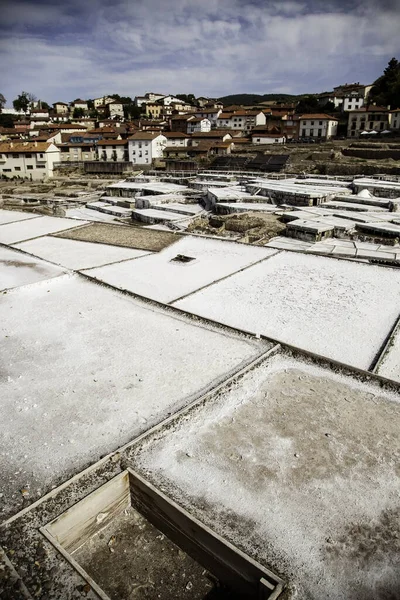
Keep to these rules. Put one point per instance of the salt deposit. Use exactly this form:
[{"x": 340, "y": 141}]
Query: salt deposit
[
  {"x": 74, "y": 254},
  {"x": 84, "y": 369},
  {"x": 31, "y": 228},
  {"x": 18, "y": 269},
  {"x": 162, "y": 278},
  {"x": 339, "y": 309},
  {"x": 282, "y": 465}
]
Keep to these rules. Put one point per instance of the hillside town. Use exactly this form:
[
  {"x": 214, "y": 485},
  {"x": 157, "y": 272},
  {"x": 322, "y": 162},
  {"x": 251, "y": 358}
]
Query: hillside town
[
  {"x": 177, "y": 132},
  {"x": 200, "y": 346}
]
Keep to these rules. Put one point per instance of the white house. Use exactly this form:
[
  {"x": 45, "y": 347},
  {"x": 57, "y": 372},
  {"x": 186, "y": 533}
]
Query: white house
[
  {"x": 145, "y": 146},
  {"x": 353, "y": 101},
  {"x": 318, "y": 126},
  {"x": 79, "y": 104},
  {"x": 196, "y": 125},
  {"x": 40, "y": 113},
  {"x": 12, "y": 111},
  {"x": 61, "y": 107},
  {"x": 167, "y": 100},
  {"x": 264, "y": 137},
  {"x": 208, "y": 113},
  {"x": 177, "y": 138},
  {"x": 102, "y": 101},
  {"x": 115, "y": 109},
  {"x": 33, "y": 160},
  {"x": 368, "y": 118},
  {"x": 394, "y": 119},
  {"x": 242, "y": 120},
  {"x": 112, "y": 150}
]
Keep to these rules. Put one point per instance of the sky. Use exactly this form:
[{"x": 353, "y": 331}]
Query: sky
[{"x": 63, "y": 50}]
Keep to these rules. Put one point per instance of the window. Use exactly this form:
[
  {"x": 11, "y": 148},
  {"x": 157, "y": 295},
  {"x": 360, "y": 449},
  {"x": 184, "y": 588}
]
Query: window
[
  {"x": 371, "y": 125},
  {"x": 6, "y": 170},
  {"x": 28, "y": 155},
  {"x": 114, "y": 147},
  {"x": 320, "y": 122},
  {"x": 29, "y": 167},
  {"x": 258, "y": 140},
  {"x": 311, "y": 132},
  {"x": 319, "y": 132},
  {"x": 17, "y": 168},
  {"x": 41, "y": 155},
  {"x": 40, "y": 167},
  {"x": 312, "y": 122},
  {"x": 303, "y": 133}
]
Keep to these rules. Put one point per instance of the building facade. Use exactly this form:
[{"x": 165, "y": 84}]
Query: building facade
[
  {"x": 368, "y": 118},
  {"x": 144, "y": 147},
  {"x": 30, "y": 160},
  {"x": 394, "y": 119},
  {"x": 112, "y": 150},
  {"x": 318, "y": 126},
  {"x": 196, "y": 125},
  {"x": 242, "y": 120}
]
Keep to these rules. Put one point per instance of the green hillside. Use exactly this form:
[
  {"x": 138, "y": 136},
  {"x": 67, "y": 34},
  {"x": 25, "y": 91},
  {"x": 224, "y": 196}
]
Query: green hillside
[{"x": 250, "y": 99}]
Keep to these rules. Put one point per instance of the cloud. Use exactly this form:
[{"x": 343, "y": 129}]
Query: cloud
[{"x": 213, "y": 47}]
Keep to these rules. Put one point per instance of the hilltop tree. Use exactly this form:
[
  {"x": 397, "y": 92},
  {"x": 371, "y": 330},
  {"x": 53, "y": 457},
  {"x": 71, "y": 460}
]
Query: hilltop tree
[
  {"x": 187, "y": 98},
  {"x": 2, "y": 102},
  {"x": 308, "y": 105},
  {"x": 131, "y": 111},
  {"x": 23, "y": 101},
  {"x": 78, "y": 113},
  {"x": 123, "y": 99},
  {"x": 386, "y": 89}
]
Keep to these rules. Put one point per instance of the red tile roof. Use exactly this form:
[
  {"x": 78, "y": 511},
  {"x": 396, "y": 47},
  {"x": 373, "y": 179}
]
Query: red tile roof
[
  {"x": 144, "y": 135},
  {"x": 23, "y": 147},
  {"x": 318, "y": 116}
]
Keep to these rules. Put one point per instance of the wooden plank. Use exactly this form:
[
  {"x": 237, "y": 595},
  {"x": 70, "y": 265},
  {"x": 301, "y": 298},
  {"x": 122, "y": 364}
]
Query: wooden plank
[
  {"x": 77, "y": 524},
  {"x": 231, "y": 566}
]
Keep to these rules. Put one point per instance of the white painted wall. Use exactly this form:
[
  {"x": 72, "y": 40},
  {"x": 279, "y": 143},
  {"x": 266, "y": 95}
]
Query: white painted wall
[
  {"x": 259, "y": 139},
  {"x": 318, "y": 128},
  {"x": 143, "y": 152},
  {"x": 32, "y": 165},
  {"x": 352, "y": 103},
  {"x": 110, "y": 152},
  {"x": 199, "y": 126}
]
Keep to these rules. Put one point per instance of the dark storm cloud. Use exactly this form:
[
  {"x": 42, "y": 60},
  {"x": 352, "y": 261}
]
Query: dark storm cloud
[{"x": 214, "y": 47}]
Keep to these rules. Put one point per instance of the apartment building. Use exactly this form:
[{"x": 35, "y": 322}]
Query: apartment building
[
  {"x": 32, "y": 160},
  {"x": 145, "y": 146},
  {"x": 112, "y": 150},
  {"x": 196, "y": 125},
  {"x": 368, "y": 118},
  {"x": 318, "y": 125}
]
